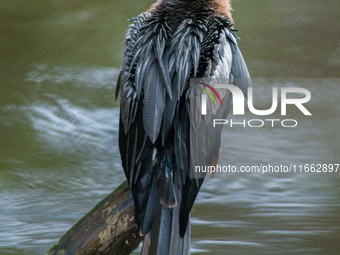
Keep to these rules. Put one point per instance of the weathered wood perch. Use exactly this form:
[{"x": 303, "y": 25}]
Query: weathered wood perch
[{"x": 109, "y": 228}]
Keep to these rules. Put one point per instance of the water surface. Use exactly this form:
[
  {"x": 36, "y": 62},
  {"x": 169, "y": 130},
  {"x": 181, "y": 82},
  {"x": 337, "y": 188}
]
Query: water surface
[{"x": 59, "y": 157}]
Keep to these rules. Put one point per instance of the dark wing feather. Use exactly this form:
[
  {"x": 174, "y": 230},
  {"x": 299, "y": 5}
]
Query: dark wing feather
[
  {"x": 169, "y": 110},
  {"x": 154, "y": 101}
]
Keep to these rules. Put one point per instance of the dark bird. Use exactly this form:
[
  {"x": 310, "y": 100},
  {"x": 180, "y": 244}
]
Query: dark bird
[{"x": 159, "y": 135}]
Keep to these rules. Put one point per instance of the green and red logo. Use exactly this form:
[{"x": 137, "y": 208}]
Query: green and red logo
[{"x": 209, "y": 93}]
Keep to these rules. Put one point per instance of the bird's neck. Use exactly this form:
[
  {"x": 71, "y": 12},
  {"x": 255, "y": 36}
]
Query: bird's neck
[{"x": 222, "y": 7}]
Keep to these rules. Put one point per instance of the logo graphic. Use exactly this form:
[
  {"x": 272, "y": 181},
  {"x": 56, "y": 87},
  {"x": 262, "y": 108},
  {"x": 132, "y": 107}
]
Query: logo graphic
[
  {"x": 241, "y": 98},
  {"x": 238, "y": 99},
  {"x": 204, "y": 97},
  {"x": 209, "y": 93}
]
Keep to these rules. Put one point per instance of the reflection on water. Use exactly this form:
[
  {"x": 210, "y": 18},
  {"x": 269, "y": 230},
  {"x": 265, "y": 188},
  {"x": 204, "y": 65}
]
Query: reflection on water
[{"x": 58, "y": 127}]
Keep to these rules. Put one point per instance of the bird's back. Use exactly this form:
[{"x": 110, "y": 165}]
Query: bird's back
[{"x": 165, "y": 47}]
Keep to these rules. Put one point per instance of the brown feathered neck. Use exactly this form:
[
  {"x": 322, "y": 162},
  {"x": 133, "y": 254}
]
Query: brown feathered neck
[{"x": 222, "y": 7}]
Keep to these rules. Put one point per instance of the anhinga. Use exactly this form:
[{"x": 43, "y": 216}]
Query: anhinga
[{"x": 173, "y": 41}]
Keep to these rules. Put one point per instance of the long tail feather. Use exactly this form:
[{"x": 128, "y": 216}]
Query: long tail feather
[{"x": 164, "y": 238}]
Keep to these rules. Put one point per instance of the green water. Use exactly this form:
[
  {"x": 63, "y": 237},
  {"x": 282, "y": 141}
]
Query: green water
[{"x": 59, "y": 62}]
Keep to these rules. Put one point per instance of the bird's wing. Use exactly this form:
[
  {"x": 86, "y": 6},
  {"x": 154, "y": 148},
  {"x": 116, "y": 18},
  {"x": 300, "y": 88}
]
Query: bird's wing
[
  {"x": 223, "y": 63},
  {"x": 226, "y": 66},
  {"x": 143, "y": 86}
]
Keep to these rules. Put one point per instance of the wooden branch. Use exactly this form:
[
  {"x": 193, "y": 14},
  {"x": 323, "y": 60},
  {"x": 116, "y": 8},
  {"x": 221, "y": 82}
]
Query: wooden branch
[{"x": 109, "y": 228}]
